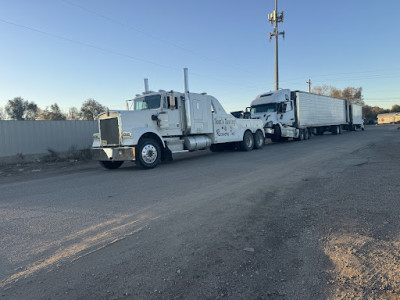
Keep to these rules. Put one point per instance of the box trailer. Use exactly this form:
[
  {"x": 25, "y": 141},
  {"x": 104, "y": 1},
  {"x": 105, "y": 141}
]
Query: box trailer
[{"x": 298, "y": 115}]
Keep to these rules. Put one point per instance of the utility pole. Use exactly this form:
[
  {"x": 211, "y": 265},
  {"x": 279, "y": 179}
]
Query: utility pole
[
  {"x": 309, "y": 85},
  {"x": 275, "y": 18}
]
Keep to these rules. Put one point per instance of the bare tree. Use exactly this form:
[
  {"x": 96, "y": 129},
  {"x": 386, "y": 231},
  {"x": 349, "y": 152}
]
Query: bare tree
[
  {"x": 73, "y": 114},
  {"x": 2, "y": 114},
  {"x": 20, "y": 109},
  {"x": 352, "y": 94},
  {"x": 91, "y": 109},
  {"x": 327, "y": 90}
]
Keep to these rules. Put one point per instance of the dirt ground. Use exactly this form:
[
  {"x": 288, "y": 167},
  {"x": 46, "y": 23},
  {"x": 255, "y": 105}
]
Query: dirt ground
[{"x": 331, "y": 232}]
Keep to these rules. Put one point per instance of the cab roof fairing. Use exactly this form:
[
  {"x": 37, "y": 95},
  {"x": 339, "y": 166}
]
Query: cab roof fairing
[{"x": 271, "y": 97}]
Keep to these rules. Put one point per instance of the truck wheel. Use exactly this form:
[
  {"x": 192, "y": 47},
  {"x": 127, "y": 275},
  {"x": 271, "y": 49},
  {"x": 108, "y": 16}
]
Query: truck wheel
[
  {"x": 148, "y": 153},
  {"x": 340, "y": 129},
  {"x": 111, "y": 164},
  {"x": 277, "y": 134},
  {"x": 306, "y": 134},
  {"x": 248, "y": 142},
  {"x": 301, "y": 135},
  {"x": 259, "y": 140},
  {"x": 335, "y": 130}
]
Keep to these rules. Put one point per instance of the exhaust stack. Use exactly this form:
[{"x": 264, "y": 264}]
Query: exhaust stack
[
  {"x": 146, "y": 85},
  {"x": 187, "y": 103}
]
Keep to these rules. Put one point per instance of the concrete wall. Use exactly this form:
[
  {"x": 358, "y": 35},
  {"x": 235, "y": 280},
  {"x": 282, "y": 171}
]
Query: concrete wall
[{"x": 35, "y": 137}]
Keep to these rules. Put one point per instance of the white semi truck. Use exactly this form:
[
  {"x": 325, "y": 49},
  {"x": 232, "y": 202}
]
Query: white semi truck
[
  {"x": 298, "y": 115},
  {"x": 163, "y": 123}
]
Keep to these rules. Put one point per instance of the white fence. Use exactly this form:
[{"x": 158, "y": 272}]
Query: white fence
[{"x": 36, "y": 137}]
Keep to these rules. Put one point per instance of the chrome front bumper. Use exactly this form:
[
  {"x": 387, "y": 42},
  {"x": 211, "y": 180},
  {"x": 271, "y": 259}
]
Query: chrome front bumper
[{"x": 114, "y": 154}]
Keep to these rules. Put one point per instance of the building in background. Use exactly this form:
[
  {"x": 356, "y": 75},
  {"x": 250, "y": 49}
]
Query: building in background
[{"x": 389, "y": 118}]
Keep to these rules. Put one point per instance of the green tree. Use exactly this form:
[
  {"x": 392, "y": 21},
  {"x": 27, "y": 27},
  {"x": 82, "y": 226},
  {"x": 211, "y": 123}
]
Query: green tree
[
  {"x": 395, "y": 108},
  {"x": 52, "y": 113},
  {"x": 91, "y": 109},
  {"x": 370, "y": 113},
  {"x": 20, "y": 109}
]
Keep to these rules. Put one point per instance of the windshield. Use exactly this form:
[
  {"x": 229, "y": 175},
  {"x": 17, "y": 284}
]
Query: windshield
[
  {"x": 270, "y": 107},
  {"x": 148, "y": 102}
]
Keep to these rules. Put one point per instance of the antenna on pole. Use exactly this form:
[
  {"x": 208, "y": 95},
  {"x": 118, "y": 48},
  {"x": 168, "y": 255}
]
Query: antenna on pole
[
  {"x": 309, "y": 85},
  {"x": 275, "y": 18}
]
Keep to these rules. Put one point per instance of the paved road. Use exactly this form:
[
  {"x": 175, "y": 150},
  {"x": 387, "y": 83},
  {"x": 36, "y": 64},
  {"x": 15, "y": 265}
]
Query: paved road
[{"x": 260, "y": 224}]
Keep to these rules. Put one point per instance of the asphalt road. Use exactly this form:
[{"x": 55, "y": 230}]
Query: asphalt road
[{"x": 315, "y": 219}]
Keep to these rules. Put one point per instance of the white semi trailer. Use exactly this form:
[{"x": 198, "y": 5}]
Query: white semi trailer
[
  {"x": 163, "y": 123},
  {"x": 298, "y": 115}
]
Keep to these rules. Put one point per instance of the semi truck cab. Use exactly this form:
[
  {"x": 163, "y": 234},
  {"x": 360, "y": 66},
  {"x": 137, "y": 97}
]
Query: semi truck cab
[{"x": 163, "y": 123}]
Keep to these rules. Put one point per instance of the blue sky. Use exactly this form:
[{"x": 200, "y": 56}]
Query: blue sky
[{"x": 67, "y": 51}]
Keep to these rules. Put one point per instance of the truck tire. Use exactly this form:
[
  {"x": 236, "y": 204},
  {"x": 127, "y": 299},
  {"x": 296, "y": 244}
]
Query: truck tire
[
  {"x": 111, "y": 164},
  {"x": 306, "y": 134},
  {"x": 277, "y": 134},
  {"x": 259, "y": 140},
  {"x": 301, "y": 135},
  {"x": 148, "y": 153},
  {"x": 335, "y": 130},
  {"x": 248, "y": 142}
]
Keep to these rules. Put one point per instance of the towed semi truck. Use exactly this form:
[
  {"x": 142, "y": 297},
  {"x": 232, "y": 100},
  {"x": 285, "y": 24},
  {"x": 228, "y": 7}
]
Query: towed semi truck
[
  {"x": 295, "y": 114},
  {"x": 163, "y": 123}
]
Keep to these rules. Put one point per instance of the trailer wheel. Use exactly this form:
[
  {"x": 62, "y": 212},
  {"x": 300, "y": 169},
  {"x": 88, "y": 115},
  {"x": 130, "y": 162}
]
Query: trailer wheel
[
  {"x": 259, "y": 140},
  {"x": 335, "y": 130},
  {"x": 340, "y": 129},
  {"x": 148, "y": 154},
  {"x": 111, "y": 164},
  {"x": 248, "y": 142}
]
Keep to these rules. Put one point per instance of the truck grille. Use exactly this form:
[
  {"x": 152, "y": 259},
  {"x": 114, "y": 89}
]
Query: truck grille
[{"x": 109, "y": 131}]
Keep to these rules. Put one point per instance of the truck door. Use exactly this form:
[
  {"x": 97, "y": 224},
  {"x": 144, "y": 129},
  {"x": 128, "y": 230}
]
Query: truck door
[
  {"x": 286, "y": 113},
  {"x": 170, "y": 119}
]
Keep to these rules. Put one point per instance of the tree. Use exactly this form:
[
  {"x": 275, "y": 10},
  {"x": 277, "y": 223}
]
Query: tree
[
  {"x": 395, "y": 108},
  {"x": 52, "y": 113},
  {"x": 2, "y": 114},
  {"x": 91, "y": 109},
  {"x": 20, "y": 109},
  {"x": 73, "y": 114},
  {"x": 326, "y": 90},
  {"x": 370, "y": 113},
  {"x": 352, "y": 94}
]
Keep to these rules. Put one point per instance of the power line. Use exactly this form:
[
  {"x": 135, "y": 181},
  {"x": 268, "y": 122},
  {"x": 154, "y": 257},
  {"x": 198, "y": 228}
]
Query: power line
[
  {"x": 168, "y": 42},
  {"x": 86, "y": 44},
  {"x": 117, "y": 53}
]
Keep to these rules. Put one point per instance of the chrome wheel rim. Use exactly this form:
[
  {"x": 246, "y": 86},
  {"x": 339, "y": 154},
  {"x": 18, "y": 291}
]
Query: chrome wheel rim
[{"x": 149, "y": 154}]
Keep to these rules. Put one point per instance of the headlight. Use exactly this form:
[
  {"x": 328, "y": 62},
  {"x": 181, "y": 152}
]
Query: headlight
[
  {"x": 126, "y": 134},
  {"x": 269, "y": 124}
]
